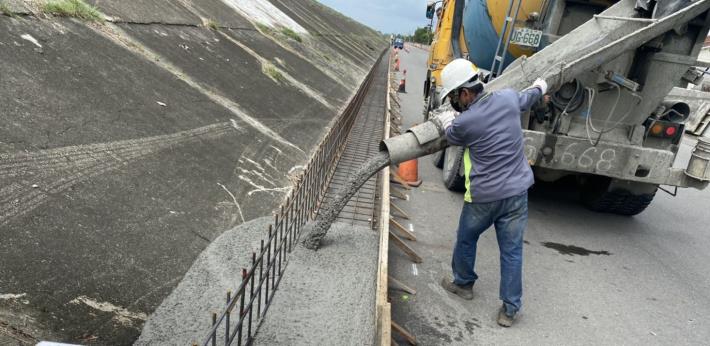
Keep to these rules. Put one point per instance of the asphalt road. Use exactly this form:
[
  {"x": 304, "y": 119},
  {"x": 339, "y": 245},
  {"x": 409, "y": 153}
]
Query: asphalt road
[{"x": 631, "y": 280}]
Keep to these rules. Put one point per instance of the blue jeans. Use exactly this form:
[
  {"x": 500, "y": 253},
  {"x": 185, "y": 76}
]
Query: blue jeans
[{"x": 510, "y": 217}]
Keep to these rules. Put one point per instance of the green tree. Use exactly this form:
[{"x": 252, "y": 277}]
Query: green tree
[{"x": 422, "y": 35}]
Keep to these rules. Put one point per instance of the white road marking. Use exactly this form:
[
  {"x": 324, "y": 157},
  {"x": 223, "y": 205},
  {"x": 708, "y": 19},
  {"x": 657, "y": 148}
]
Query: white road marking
[{"x": 415, "y": 271}]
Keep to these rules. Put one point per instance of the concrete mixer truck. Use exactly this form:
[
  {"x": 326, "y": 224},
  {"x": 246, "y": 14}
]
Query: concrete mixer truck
[{"x": 608, "y": 123}]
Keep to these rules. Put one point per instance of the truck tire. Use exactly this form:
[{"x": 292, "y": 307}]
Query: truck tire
[
  {"x": 606, "y": 195},
  {"x": 453, "y": 162},
  {"x": 438, "y": 158},
  {"x": 432, "y": 103},
  {"x": 427, "y": 84}
]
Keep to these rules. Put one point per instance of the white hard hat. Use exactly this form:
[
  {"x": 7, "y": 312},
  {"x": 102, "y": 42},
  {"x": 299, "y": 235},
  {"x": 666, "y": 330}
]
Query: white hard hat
[{"x": 458, "y": 73}]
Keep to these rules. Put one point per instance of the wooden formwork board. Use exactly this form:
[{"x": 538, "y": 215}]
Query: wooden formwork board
[{"x": 383, "y": 311}]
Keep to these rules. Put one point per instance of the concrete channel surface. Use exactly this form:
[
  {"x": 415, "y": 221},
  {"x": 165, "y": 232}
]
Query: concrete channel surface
[
  {"x": 327, "y": 297},
  {"x": 324, "y": 296},
  {"x": 589, "y": 278},
  {"x": 128, "y": 147}
]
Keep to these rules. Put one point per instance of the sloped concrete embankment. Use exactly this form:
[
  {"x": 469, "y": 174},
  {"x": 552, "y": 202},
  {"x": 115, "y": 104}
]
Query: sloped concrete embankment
[{"x": 126, "y": 147}]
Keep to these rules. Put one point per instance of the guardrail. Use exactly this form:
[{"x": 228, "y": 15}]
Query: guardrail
[{"x": 260, "y": 280}]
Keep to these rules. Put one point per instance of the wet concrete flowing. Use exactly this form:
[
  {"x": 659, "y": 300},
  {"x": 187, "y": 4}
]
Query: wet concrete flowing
[{"x": 316, "y": 230}]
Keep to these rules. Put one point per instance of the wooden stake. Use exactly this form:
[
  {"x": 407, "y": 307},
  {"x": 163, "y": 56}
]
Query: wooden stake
[
  {"x": 398, "y": 285},
  {"x": 398, "y": 179},
  {"x": 407, "y": 250},
  {"x": 398, "y": 194},
  {"x": 405, "y": 232},
  {"x": 409, "y": 337},
  {"x": 399, "y": 211},
  {"x": 396, "y": 101}
]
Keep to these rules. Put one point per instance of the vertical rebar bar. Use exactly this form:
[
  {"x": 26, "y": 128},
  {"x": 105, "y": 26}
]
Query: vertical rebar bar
[
  {"x": 226, "y": 322},
  {"x": 268, "y": 266},
  {"x": 280, "y": 236},
  {"x": 287, "y": 222},
  {"x": 241, "y": 309},
  {"x": 261, "y": 279},
  {"x": 251, "y": 294},
  {"x": 292, "y": 222},
  {"x": 214, "y": 334},
  {"x": 273, "y": 265}
]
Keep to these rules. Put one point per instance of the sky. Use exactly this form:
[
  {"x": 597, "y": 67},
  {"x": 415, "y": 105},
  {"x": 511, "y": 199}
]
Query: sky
[{"x": 386, "y": 16}]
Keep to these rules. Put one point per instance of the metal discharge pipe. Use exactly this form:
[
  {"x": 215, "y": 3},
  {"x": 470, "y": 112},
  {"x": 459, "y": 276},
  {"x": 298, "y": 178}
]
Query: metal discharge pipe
[
  {"x": 676, "y": 112},
  {"x": 420, "y": 140}
]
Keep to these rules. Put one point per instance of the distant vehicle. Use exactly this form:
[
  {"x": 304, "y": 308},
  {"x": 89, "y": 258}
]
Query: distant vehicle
[{"x": 399, "y": 43}]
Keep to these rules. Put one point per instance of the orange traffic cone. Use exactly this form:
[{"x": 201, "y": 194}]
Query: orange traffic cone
[
  {"x": 409, "y": 171},
  {"x": 396, "y": 64},
  {"x": 403, "y": 85}
]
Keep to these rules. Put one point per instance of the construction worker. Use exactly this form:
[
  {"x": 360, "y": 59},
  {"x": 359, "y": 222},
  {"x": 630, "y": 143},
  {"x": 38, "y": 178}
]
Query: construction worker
[{"x": 497, "y": 178}]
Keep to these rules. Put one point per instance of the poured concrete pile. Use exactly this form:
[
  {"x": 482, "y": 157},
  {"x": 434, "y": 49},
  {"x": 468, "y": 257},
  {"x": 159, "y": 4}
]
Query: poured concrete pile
[
  {"x": 327, "y": 296},
  {"x": 184, "y": 317},
  {"x": 126, "y": 147}
]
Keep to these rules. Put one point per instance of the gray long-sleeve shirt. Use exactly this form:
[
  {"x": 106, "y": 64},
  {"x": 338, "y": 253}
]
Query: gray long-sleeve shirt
[{"x": 495, "y": 162}]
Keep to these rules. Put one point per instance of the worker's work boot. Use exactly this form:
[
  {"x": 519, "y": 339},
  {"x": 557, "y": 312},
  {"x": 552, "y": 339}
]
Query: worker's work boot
[
  {"x": 503, "y": 319},
  {"x": 465, "y": 292}
]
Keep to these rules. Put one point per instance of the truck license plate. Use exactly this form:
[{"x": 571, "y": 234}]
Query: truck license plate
[{"x": 526, "y": 37}]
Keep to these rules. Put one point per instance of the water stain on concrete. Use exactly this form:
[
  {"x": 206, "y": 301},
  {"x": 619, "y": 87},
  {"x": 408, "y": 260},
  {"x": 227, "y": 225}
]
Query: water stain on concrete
[
  {"x": 572, "y": 250},
  {"x": 472, "y": 325},
  {"x": 435, "y": 333}
]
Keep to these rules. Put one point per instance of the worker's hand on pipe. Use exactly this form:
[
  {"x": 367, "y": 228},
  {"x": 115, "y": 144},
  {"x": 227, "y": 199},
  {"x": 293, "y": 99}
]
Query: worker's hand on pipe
[
  {"x": 542, "y": 84},
  {"x": 445, "y": 118}
]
